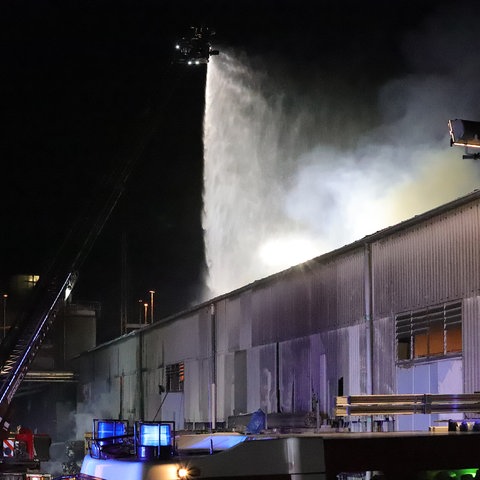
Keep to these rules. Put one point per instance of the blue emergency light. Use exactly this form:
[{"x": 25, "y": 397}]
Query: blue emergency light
[
  {"x": 153, "y": 440},
  {"x": 109, "y": 438},
  {"x": 109, "y": 428}
]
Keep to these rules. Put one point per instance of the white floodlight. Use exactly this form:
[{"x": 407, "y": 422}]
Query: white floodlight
[{"x": 465, "y": 133}]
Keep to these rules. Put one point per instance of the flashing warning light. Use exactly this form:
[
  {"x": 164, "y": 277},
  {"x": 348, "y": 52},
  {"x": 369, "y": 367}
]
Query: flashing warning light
[
  {"x": 109, "y": 428},
  {"x": 153, "y": 439},
  {"x": 150, "y": 435},
  {"x": 165, "y": 435},
  {"x": 106, "y": 434},
  {"x": 155, "y": 434}
]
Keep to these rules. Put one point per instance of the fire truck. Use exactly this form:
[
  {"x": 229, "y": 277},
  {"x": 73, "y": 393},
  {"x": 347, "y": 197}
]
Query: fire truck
[{"x": 23, "y": 451}]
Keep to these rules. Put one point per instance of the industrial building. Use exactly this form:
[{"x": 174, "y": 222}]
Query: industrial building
[{"x": 394, "y": 312}]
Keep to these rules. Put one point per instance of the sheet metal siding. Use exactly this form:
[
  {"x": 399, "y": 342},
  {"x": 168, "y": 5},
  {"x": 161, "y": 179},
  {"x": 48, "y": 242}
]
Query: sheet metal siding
[
  {"x": 225, "y": 386},
  {"x": 189, "y": 340},
  {"x": 345, "y": 354},
  {"x": 471, "y": 344},
  {"x": 245, "y": 340},
  {"x": 336, "y": 354},
  {"x": 280, "y": 310},
  {"x": 350, "y": 290},
  {"x": 153, "y": 377},
  {"x": 223, "y": 327},
  {"x": 309, "y": 300},
  {"x": 384, "y": 356},
  {"x": 356, "y": 360},
  {"x": 188, "y": 337},
  {"x": 197, "y": 394},
  {"x": 295, "y": 376},
  {"x": 308, "y": 366},
  {"x": 314, "y": 315},
  {"x": 318, "y": 371},
  {"x": 433, "y": 262},
  {"x": 261, "y": 379},
  {"x": 196, "y": 398},
  {"x": 109, "y": 383},
  {"x": 129, "y": 400},
  {"x": 234, "y": 323}
]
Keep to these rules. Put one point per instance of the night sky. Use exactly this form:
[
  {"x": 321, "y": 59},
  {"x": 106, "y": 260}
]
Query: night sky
[{"x": 88, "y": 86}]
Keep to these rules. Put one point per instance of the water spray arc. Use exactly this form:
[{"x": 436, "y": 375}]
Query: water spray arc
[{"x": 281, "y": 183}]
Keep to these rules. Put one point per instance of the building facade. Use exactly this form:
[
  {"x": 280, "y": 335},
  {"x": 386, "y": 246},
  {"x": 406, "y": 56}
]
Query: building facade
[{"x": 395, "y": 312}]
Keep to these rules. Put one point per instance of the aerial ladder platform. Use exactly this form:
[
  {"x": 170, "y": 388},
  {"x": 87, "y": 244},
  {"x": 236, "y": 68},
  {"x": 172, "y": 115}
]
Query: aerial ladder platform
[{"x": 26, "y": 335}]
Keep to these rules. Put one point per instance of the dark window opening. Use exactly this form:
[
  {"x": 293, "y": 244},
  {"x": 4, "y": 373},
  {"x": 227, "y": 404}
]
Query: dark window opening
[{"x": 175, "y": 377}]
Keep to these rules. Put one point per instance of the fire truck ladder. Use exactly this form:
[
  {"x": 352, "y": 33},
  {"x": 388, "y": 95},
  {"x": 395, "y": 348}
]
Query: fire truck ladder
[
  {"x": 18, "y": 348},
  {"x": 24, "y": 340}
]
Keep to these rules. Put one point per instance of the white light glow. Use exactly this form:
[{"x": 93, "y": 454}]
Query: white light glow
[
  {"x": 182, "y": 472},
  {"x": 285, "y": 252},
  {"x": 466, "y": 144}
]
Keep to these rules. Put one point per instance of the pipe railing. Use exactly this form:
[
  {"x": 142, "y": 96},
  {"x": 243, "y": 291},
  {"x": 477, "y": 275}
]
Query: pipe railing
[{"x": 407, "y": 404}]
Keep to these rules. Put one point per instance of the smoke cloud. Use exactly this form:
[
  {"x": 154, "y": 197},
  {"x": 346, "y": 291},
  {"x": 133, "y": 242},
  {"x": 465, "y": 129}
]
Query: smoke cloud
[{"x": 295, "y": 168}]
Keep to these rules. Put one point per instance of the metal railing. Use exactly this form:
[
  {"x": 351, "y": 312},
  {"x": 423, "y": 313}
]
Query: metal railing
[{"x": 407, "y": 404}]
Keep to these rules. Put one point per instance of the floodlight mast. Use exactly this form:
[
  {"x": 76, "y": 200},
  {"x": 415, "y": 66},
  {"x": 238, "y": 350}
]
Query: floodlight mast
[{"x": 465, "y": 133}]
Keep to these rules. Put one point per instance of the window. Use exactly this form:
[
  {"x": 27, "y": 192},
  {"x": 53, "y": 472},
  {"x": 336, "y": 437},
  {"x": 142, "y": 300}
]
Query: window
[
  {"x": 436, "y": 331},
  {"x": 175, "y": 376}
]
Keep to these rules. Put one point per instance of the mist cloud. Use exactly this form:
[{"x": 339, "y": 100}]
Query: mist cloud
[{"x": 326, "y": 164}]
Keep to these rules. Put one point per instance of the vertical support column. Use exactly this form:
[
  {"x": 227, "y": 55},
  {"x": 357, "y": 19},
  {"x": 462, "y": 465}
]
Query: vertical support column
[
  {"x": 213, "y": 387},
  {"x": 141, "y": 398},
  {"x": 121, "y": 379},
  {"x": 368, "y": 299},
  {"x": 277, "y": 376},
  {"x": 368, "y": 306}
]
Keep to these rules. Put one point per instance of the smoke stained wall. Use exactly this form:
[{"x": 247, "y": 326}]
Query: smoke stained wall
[{"x": 296, "y": 167}]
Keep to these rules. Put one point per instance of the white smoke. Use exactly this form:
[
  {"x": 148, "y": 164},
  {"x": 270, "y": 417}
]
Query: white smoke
[{"x": 290, "y": 174}]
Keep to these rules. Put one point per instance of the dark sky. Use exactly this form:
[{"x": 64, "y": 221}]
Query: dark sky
[{"x": 88, "y": 86}]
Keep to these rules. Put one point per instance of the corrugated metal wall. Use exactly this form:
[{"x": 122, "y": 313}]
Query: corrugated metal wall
[
  {"x": 301, "y": 335},
  {"x": 384, "y": 356},
  {"x": 429, "y": 263},
  {"x": 309, "y": 299}
]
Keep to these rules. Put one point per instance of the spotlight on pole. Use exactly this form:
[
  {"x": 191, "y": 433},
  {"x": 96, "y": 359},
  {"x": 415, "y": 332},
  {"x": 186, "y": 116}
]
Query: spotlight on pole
[
  {"x": 152, "y": 292},
  {"x": 465, "y": 133}
]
